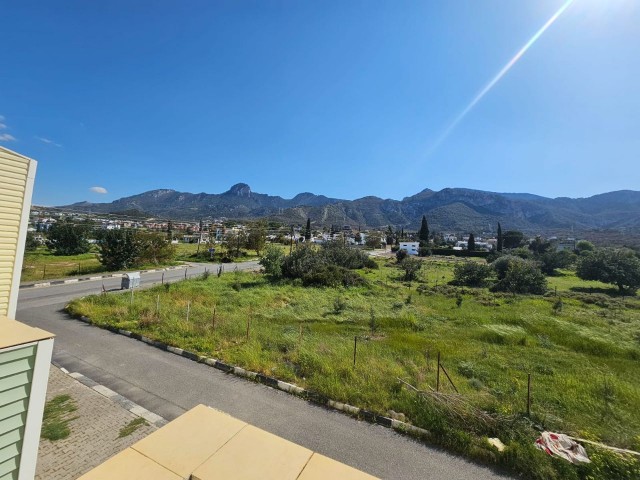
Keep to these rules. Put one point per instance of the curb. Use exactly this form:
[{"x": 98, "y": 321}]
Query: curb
[
  {"x": 152, "y": 418},
  {"x": 98, "y": 277},
  {"x": 310, "y": 396}
]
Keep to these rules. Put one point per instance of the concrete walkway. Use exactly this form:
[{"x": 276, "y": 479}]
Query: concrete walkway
[{"x": 94, "y": 434}]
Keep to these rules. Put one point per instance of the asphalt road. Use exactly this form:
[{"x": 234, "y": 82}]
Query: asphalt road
[{"x": 169, "y": 385}]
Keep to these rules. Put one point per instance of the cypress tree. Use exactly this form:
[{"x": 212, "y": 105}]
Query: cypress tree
[
  {"x": 423, "y": 233},
  {"x": 471, "y": 244},
  {"x": 307, "y": 231},
  {"x": 500, "y": 239}
]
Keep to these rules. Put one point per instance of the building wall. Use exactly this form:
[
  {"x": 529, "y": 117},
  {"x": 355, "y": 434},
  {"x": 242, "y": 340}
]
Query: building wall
[{"x": 17, "y": 174}]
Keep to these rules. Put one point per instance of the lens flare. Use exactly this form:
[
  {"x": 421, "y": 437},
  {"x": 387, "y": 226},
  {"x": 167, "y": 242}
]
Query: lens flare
[{"x": 451, "y": 127}]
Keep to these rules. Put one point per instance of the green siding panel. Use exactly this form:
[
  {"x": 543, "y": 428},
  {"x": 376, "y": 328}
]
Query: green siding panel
[
  {"x": 17, "y": 366},
  {"x": 17, "y": 354},
  {"x": 14, "y": 436},
  {"x": 17, "y": 380},
  {"x": 9, "y": 452},
  {"x": 9, "y": 466},
  {"x": 16, "y": 374},
  {"x": 14, "y": 408}
]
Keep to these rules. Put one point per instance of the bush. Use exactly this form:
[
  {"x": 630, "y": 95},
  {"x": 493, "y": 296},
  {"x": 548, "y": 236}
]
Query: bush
[
  {"x": 620, "y": 267},
  {"x": 521, "y": 276},
  {"x": 411, "y": 267},
  {"x": 424, "y": 252},
  {"x": 401, "y": 255},
  {"x": 272, "y": 261},
  {"x": 470, "y": 274},
  {"x": 67, "y": 238}
]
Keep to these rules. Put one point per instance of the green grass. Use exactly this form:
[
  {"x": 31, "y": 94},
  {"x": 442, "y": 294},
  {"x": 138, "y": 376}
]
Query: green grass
[
  {"x": 132, "y": 426},
  {"x": 188, "y": 252},
  {"x": 57, "y": 416},
  {"x": 42, "y": 265},
  {"x": 583, "y": 359}
]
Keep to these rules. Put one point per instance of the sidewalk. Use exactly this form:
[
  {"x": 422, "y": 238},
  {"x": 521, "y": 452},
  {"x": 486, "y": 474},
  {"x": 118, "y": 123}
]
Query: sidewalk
[{"x": 94, "y": 434}]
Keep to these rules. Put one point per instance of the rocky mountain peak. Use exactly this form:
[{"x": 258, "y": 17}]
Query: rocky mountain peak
[{"x": 240, "y": 190}]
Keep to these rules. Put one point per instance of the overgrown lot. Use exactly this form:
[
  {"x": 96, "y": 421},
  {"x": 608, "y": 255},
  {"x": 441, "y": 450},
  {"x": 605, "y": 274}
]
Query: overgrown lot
[{"x": 582, "y": 349}]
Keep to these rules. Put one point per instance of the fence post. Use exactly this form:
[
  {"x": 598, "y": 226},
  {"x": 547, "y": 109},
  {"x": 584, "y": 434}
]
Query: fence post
[
  {"x": 78, "y": 268},
  {"x": 438, "y": 375},
  {"x": 44, "y": 271},
  {"x": 185, "y": 273},
  {"x": 188, "y": 310},
  {"x": 528, "y": 395},
  {"x": 158, "y": 306},
  {"x": 213, "y": 319},
  {"x": 163, "y": 278},
  {"x": 355, "y": 349},
  {"x": 131, "y": 303}
]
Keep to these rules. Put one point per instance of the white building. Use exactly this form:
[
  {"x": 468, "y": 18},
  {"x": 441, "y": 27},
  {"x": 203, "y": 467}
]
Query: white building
[{"x": 412, "y": 248}]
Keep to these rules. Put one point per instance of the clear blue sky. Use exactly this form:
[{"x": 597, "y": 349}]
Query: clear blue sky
[{"x": 341, "y": 98}]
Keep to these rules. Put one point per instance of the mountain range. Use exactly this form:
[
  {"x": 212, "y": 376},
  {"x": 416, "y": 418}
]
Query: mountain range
[{"x": 450, "y": 209}]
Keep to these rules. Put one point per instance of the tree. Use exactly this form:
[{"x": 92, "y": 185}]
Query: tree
[
  {"x": 423, "y": 233},
  {"x": 307, "y": 230},
  {"x": 153, "y": 248},
  {"x": 584, "y": 246},
  {"x": 234, "y": 241},
  {"x": 31, "y": 244},
  {"x": 67, "y": 238},
  {"x": 390, "y": 238},
  {"x": 500, "y": 243},
  {"x": 373, "y": 240},
  {"x": 539, "y": 245},
  {"x": 521, "y": 276},
  {"x": 119, "y": 249},
  {"x": 620, "y": 267},
  {"x": 512, "y": 239},
  {"x": 170, "y": 230},
  {"x": 471, "y": 243},
  {"x": 550, "y": 261},
  {"x": 470, "y": 274},
  {"x": 411, "y": 267},
  {"x": 272, "y": 261},
  {"x": 257, "y": 238}
]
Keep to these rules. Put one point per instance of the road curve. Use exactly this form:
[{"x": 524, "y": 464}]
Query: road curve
[{"x": 169, "y": 385}]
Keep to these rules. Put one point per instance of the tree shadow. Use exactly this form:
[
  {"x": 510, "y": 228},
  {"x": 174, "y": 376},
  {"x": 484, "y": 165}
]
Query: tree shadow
[{"x": 612, "y": 291}]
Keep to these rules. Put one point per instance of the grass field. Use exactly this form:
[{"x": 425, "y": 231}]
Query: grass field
[
  {"x": 583, "y": 356},
  {"x": 42, "y": 265}
]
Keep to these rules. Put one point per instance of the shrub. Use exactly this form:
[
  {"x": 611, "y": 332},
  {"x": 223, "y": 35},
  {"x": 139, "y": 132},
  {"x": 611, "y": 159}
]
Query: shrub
[
  {"x": 470, "y": 274},
  {"x": 401, "y": 255},
  {"x": 620, "y": 267},
  {"x": 272, "y": 261},
  {"x": 522, "y": 276},
  {"x": 411, "y": 267}
]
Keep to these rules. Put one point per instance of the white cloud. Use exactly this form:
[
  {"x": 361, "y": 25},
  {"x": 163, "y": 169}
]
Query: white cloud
[
  {"x": 5, "y": 137},
  {"x": 100, "y": 190},
  {"x": 50, "y": 142},
  {"x": 2, "y": 126}
]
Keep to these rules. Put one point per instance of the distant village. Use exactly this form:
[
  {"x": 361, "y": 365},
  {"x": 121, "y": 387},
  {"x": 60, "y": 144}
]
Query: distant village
[{"x": 213, "y": 231}]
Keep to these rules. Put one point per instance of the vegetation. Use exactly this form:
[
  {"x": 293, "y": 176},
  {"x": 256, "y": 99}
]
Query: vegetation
[
  {"x": 471, "y": 274},
  {"x": 582, "y": 352},
  {"x": 121, "y": 249},
  {"x": 41, "y": 264},
  {"x": 620, "y": 267},
  {"x": 57, "y": 416},
  {"x": 517, "y": 275},
  {"x": 423, "y": 233},
  {"x": 68, "y": 238},
  {"x": 132, "y": 426},
  {"x": 512, "y": 239},
  {"x": 500, "y": 239}
]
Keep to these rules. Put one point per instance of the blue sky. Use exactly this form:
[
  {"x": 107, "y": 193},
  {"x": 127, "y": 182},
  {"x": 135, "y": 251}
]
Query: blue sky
[{"x": 340, "y": 98}]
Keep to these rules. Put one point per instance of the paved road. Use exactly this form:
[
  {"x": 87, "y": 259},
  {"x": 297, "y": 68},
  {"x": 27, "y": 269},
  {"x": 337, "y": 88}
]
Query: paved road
[{"x": 169, "y": 385}]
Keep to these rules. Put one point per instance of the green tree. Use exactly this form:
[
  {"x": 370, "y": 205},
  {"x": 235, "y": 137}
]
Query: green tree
[
  {"x": 620, "y": 267},
  {"x": 471, "y": 274},
  {"x": 390, "y": 237},
  {"x": 411, "y": 266},
  {"x": 170, "y": 230},
  {"x": 119, "y": 249},
  {"x": 68, "y": 238},
  {"x": 307, "y": 230},
  {"x": 153, "y": 248},
  {"x": 31, "y": 244},
  {"x": 550, "y": 261},
  {"x": 512, "y": 239},
  {"x": 584, "y": 246},
  {"x": 257, "y": 238},
  {"x": 521, "y": 276},
  {"x": 234, "y": 242},
  {"x": 373, "y": 240},
  {"x": 471, "y": 243},
  {"x": 539, "y": 245},
  {"x": 423, "y": 233},
  {"x": 500, "y": 242},
  {"x": 272, "y": 261}
]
